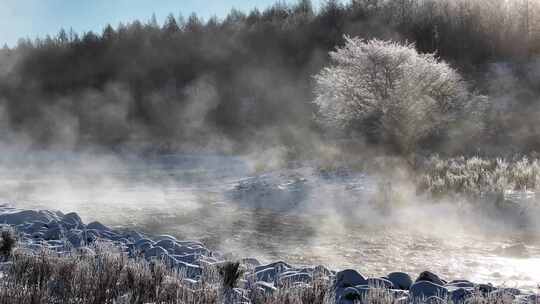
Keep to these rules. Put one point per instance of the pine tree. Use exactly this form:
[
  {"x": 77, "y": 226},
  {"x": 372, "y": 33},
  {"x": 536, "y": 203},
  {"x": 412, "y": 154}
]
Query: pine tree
[
  {"x": 194, "y": 24},
  {"x": 170, "y": 27},
  {"x": 62, "y": 37},
  {"x": 304, "y": 7},
  {"x": 108, "y": 33},
  {"x": 152, "y": 23}
]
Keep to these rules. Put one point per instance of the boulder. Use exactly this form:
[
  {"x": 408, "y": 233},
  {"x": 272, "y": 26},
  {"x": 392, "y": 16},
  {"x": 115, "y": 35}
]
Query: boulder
[
  {"x": 280, "y": 266},
  {"x": 204, "y": 263},
  {"x": 290, "y": 279},
  {"x": 155, "y": 252},
  {"x": 143, "y": 242},
  {"x": 132, "y": 235},
  {"x": 430, "y": 277},
  {"x": 353, "y": 295},
  {"x": 486, "y": 289},
  {"x": 321, "y": 271},
  {"x": 37, "y": 235},
  {"x": 123, "y": 241},
  {"x": 289, "y": 272},
  {"x": 380, "y": 283},
  {"x": 35, "y": 227},
  {"x": 400, "y": 280},
  {"x": 53, "y": 234},
  {"x": 187, "y": 258},
  {"x": 55, "y": 243},
  {"x": 167, "y": 244},
  {"x": 460, "y": 295},
  {"x": 165, "y": 237},
  {"x": 98, "y": 226},
  {"x": 267, "y": 275},
  {"x": 460, "y": 284},
  {"x": 208, "y": 260},
  {"x": 54, "y": 224},
  {"x": 399, "y": 293},
  {"x": 145, "y": 246},
  {"x": 72, "y": 221},
  {"x": 27, "y": 216},
  {"x": 89, "y": 236},
  {"x": 349, "y": 278},
  {"x": 183, "y": 250},
  {"x": 109, "y": 235},
  {"x": 459, "y": 281},
  {"x": 426, "y": 289},
  {"x": 350, "y": 295},
  {"x": 187, "y": 243}
]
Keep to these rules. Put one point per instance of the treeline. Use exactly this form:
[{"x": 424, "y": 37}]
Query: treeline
[{"x": 247, "y": 78}]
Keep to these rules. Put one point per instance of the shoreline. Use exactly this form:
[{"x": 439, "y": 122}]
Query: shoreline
[{"x": 62, "y": 234}]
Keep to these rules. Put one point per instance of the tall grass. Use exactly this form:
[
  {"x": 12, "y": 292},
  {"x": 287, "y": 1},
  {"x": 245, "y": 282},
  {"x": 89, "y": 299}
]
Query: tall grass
[
  {"x": 107, "y": 276},
  {"x": 110, "y": 277},
  {"x": 317, "y": 292},
  {"x": 477, "y": 176}
]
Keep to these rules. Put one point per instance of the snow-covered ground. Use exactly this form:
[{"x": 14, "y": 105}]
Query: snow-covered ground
[{"x": 304, "y": 216}]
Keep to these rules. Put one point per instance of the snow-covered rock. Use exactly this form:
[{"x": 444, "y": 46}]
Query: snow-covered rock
[
  {"x": 380, "y": 283},
  {"x": 400, "y": 280},
  {"x": 27, "y": 216},
  {"x": 426, "y": 289},
  {"x": 292, "y": 278},
  {"x": 430, "y": 277},
  {"x": 97, "y": 226},
  {"x": 63, "y": 233},
  {"x": 348, "y": 278},
  {"x": 72, "y": 221}
]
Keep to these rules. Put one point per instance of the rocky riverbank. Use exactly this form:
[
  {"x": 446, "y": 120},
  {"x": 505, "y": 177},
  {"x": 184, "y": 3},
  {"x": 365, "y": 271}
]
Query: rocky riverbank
[{"x": 65, "y": 235}]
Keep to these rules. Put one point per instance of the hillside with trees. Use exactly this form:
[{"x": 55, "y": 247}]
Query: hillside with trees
[{"x": 249, "y": 77}]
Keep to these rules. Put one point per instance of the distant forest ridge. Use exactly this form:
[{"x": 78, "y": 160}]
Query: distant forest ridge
[{"x": 248, "y": 78}]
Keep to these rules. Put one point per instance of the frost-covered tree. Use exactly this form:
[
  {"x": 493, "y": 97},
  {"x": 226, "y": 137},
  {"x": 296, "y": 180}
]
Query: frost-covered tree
[{"x": 389, "y": 90}]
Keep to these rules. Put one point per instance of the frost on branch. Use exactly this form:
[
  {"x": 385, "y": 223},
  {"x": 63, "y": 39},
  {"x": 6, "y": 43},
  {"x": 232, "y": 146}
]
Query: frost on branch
[{"x": 392, "y": 91}]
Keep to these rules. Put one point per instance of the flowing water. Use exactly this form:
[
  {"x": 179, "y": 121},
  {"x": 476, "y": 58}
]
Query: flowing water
[{"x": 301, "y": 215}]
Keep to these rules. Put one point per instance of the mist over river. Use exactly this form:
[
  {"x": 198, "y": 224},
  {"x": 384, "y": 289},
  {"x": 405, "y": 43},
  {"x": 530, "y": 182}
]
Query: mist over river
[{"x": 302, "y": 215}]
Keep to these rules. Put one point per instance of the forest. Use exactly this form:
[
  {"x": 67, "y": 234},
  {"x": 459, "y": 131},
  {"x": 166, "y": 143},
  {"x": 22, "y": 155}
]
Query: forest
[{"x": 229, "y": 83}]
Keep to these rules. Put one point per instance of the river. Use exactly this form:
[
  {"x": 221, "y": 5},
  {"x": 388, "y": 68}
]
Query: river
[{"x": 300, "y": 215}]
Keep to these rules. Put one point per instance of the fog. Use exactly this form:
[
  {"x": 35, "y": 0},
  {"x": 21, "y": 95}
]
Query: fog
[{"x": 301, "y": 214}]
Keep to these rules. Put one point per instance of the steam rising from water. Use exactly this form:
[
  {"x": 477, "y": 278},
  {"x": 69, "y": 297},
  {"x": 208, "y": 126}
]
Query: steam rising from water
[{"x": 301, "y": 215}]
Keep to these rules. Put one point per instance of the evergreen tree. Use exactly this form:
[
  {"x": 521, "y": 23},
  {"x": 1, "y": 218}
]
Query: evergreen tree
[
  {"x": 194, "y": 24},
  {"x": 108, "y": 33},
  {"x": 62, "y": 37},
  {"x": 170, "y": 27}
]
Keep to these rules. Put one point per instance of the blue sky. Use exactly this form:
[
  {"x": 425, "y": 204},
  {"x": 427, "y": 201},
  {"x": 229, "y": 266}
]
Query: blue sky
[{"x": 32, "y": 18}]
